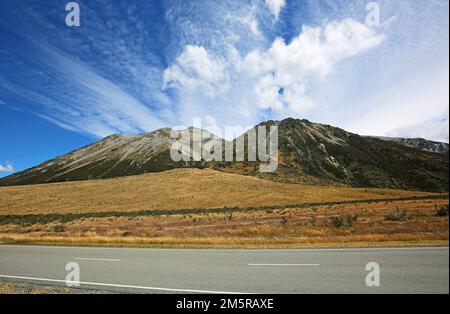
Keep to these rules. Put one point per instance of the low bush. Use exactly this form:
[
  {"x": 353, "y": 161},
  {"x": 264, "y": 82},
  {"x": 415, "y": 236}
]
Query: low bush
[
  {"x": 442, "y": 211},
  {"x": 397, "y": 216},
  {"x": 346, "y": 221}
]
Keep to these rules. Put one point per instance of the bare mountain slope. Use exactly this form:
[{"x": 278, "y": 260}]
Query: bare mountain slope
[
  {"x": 308, "y": 153},
  {"x": 331, "y": 154},
  {"x": 420, "y": 143},
  {"x": 114, "y": 156}
]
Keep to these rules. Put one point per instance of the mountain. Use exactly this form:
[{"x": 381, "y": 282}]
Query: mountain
[
  {"x": 332, "y": 155},
  {"x": 114, "y": 156},
  {"x": 309, "y": 153},
  {"x": 420, "y": 143}
]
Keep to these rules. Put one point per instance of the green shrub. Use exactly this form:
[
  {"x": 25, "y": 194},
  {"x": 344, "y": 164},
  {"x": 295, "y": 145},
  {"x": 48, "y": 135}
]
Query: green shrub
[
  {"x": 338, "y": 222},
  {"x": 442, "y": 211},
  {"x": 346, "y": 221}
]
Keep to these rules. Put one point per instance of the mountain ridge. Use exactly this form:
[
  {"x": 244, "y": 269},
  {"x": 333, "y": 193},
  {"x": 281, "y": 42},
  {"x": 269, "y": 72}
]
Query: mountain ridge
[
  {"x": 419, "y": 143},
  {"x": 309, "y": 153}
]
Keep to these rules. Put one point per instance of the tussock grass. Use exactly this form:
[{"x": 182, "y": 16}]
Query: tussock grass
[
  {"x": 205, "y": 208},
  {"x": 361, "y": 224},
  {"x": 26, "y": 220},
  {"x": 175, "y": 190}
]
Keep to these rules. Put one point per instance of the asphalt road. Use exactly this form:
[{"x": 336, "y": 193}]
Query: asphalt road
[{"x": 415, "y": 270}]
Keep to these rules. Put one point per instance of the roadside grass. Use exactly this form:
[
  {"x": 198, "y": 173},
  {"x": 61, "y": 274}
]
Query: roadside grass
[
  {"x": 232, "y": 243},
  {"x": 23, "y": 288},
  {"x": 14, "y": 287}
]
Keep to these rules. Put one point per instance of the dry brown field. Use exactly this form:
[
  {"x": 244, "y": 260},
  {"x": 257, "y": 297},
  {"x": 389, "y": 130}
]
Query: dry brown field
[
  {"x": 177, "y": 189},
  {"x": 204, "y": 208}
]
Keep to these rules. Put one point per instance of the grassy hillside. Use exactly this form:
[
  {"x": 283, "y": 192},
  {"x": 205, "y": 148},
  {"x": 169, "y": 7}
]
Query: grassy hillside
[{"x": 176, "y": 189}]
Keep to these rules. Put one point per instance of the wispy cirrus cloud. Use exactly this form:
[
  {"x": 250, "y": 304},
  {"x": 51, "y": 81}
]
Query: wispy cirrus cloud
[
  {"x": 92, "y": 81},
  {"x": 86, "y": 101},
  {"x": 133, "y": 67}
]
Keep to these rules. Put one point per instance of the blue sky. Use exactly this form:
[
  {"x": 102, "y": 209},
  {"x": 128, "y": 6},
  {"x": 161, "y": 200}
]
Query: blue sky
[{"x": 135, "y": 66}]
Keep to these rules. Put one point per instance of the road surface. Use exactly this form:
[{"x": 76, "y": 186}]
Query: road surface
[{"x": 415, "y": 270}]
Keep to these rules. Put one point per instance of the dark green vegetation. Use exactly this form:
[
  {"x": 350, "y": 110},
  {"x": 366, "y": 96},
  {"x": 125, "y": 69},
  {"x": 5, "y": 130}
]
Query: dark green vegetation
[
  {"x": 308, "y": 153},
  {"x": 344, "y": 221},
  {"x": 442, "y": 211}
]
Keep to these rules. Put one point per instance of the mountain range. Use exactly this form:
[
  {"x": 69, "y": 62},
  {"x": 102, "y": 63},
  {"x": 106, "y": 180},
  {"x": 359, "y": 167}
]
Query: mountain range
[
  {"x": 309, "y": 153},
  {"x": 423, "y": 144}
]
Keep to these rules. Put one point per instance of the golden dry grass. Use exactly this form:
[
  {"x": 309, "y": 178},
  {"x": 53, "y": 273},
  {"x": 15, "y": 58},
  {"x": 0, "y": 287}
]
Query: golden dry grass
[
  {"x": 177, "y": 189},
  {"x": 288, "y": 228}
]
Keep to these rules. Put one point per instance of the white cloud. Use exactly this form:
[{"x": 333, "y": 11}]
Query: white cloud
[
  {"x": 252, "y": 23},
  {"x": 275, "y": 6},
  {"x": 434, "y": 129},
  {"x": 317, "y": 49},
  {"x": 296, "y": 99},
  {"x": 285, "y": 67},
  {"x": 196, "y": 69},
  {"x": 275, "y": 80},
  {"x": 268, "y": 94},
  {"x": 7, "y": 168}
]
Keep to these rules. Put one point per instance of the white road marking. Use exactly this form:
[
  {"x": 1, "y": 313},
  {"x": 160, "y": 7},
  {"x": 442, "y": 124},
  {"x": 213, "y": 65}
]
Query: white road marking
[
  {"x": 97, "y": 259},
  {"x": 122, "y": 286},
  {"x": 288, "y": 265}
]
